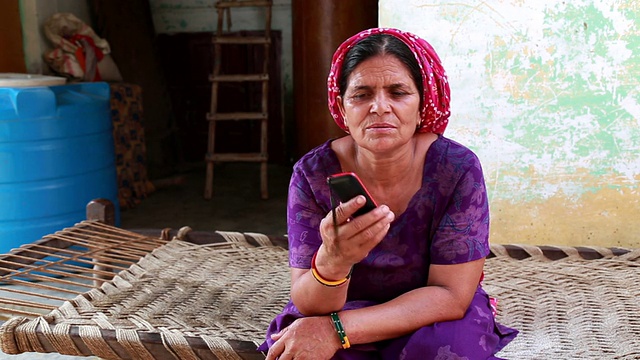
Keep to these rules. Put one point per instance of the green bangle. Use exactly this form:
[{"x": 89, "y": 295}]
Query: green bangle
[{"x": 341, "y": 334}]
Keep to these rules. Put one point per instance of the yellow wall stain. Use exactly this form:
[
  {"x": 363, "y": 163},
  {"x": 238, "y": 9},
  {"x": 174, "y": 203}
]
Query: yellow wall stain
[
  {"x": 499, "y": 41},
  {"x": 607, "y": 218}
]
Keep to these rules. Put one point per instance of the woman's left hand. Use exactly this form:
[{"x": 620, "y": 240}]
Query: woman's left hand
[{"x": 312, "y": 338}]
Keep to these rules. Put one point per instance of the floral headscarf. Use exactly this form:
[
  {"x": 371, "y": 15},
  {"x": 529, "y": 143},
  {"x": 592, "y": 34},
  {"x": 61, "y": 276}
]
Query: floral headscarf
[{"x": 435, "y": 100}]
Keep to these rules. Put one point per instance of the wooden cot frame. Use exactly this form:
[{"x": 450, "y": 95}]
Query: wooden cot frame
[{"x": 102, "y": 211}]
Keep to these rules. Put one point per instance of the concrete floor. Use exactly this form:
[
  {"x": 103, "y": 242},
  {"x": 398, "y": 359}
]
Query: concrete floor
[{"x": 236, "y": 204}]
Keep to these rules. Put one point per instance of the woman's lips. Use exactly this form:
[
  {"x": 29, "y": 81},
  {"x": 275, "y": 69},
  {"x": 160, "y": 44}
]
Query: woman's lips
[{"x": 381, "y": 126}]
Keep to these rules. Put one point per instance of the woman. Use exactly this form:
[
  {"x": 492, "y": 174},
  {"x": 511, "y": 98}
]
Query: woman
[{"x": 403, "y": 280}]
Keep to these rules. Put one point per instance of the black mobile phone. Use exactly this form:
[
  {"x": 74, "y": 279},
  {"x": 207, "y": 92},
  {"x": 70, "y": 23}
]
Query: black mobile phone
[{"x": 346, "y": 186}]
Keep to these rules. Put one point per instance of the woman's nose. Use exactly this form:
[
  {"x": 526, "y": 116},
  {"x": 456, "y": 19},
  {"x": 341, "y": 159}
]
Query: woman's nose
[{"x": 380, "y": 105}]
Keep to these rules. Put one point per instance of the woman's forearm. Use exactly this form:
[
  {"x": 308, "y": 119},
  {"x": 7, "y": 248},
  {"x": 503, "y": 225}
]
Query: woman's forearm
[
  {"x": 447, "y": 296},
  {"x": 402, "y": 315},
  {"x": 312, "y": 298}
]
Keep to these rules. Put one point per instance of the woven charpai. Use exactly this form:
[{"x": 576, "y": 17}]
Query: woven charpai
[
  {"x": 188, "y": 294},
  {"x": 215, "y": 301},
  {"x": 569, "y": 308}
]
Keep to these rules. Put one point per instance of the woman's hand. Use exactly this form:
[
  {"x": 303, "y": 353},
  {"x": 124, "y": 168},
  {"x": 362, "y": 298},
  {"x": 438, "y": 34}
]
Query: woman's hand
[
  {"x": 349, "y": 240},
  {"x": 337, "y": 255},
  {"x": 312, "y": 338}
]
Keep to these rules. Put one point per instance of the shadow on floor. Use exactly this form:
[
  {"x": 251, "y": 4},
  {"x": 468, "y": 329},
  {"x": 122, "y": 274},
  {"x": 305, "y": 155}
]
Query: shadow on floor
[{"x": 236, "y": 204}]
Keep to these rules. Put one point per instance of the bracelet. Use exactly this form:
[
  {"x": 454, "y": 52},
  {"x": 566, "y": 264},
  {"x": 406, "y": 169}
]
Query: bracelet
[
  {"x": 340, "y": 330},
  {"x": 323, "y": 281}
]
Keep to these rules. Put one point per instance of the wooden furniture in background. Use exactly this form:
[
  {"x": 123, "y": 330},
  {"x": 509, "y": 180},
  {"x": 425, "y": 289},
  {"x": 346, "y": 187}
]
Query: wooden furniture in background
[
  {"x": 190, "y": 91},
  {"x": 222, "y": 38}
]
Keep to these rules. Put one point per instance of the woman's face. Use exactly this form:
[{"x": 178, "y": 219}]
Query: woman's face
[{"x": 381, "y": 104}]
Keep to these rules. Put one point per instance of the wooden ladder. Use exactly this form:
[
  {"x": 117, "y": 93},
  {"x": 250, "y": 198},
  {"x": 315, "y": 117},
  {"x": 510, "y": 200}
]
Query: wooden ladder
[{"x": 220, "y": 39}]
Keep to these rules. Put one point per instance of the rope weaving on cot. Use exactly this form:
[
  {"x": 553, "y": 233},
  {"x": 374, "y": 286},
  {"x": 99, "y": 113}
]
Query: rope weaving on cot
[
  {"x": 37, "y": 277},
  {"x": 181, "y": 291},
  {"x": 571, "y": 307},
  {"x": 216, "y": 300}
]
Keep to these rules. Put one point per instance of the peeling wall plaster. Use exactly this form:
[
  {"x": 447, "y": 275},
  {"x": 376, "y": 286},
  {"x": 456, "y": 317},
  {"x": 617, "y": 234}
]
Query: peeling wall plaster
[{"x": 548, "y": 95}]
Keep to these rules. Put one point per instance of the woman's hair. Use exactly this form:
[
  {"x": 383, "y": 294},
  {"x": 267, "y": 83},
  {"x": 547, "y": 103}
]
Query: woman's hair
[{"x": 380, "y": 44}]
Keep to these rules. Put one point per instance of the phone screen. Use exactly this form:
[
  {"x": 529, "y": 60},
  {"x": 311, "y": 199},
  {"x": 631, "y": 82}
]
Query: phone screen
[{"x": 346, "y": 186}]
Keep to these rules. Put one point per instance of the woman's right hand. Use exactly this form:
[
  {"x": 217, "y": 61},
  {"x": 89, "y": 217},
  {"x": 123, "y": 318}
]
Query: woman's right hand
[
  {"x": 349, "y": 240},
  {"x": 311, "y": 338}
]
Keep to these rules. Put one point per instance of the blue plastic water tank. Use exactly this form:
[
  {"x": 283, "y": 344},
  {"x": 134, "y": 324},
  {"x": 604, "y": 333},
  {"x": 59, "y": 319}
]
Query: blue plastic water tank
[{"x": 56, "y": 154}]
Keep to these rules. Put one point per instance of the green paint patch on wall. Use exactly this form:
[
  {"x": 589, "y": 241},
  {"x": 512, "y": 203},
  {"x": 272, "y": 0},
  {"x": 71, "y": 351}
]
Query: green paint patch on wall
[
  {"x": 568, "y": 89},
  {"x": 547, "y": 93},
  {"x": 577, "y": 75}
]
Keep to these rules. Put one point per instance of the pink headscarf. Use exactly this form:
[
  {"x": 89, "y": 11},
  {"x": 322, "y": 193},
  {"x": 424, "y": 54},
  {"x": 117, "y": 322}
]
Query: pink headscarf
[{"x": 435, "y": 100}]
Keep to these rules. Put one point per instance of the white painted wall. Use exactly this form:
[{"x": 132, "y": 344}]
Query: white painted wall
[{"x": 546, "y": 93}]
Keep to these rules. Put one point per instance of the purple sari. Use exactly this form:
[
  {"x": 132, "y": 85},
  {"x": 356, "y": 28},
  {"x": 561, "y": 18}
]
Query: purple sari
[{"x": 446, "y": 222}]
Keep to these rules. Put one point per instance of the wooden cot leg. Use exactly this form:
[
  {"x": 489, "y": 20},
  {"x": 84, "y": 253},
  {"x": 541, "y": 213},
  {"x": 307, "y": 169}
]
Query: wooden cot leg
[{"x": 103, "y": 211}]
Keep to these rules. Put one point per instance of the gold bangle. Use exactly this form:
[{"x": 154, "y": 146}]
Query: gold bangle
[{"x": 323, "y": 281}]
